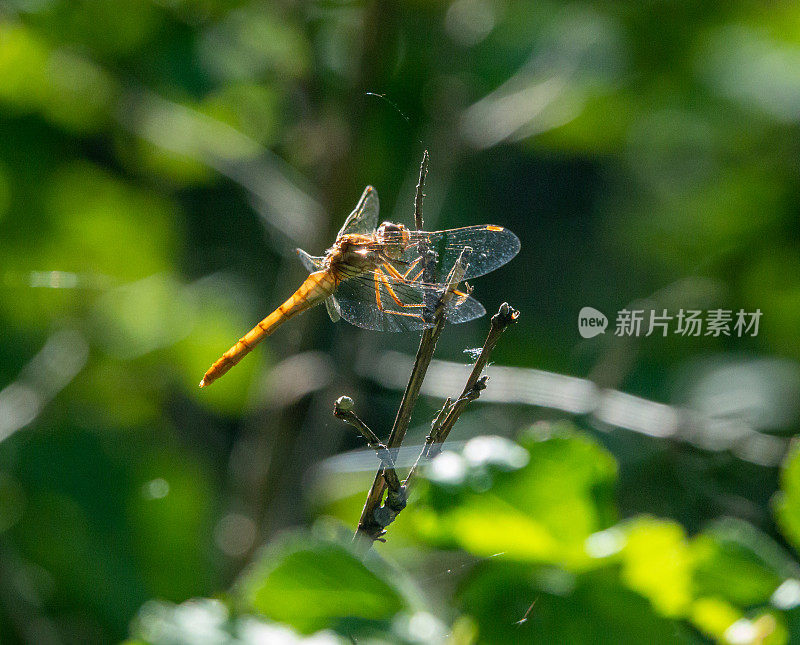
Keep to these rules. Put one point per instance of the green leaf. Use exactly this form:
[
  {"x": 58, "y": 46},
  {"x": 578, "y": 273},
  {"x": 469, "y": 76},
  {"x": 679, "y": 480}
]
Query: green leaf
[
  {"x": 542, "y": 511},
  {"x": 311, "y": 584},
  {"x": 657, "y": 564},
  {"x": 726, "y": 624},
  {"x": 736, "y": 561},
  {"x": 787, "y": 502},
  {"x": 513, "y": 604}
]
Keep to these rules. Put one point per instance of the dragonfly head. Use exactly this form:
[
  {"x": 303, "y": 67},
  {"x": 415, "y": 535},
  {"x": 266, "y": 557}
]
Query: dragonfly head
[{"x": 395, "y": 238}]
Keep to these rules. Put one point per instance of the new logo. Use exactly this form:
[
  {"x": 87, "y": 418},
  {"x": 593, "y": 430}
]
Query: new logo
[{"x": 591, "y": 322}]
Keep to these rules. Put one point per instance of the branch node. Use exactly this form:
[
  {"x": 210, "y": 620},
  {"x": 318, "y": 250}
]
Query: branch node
[
  {"x": 505, "y": 316},
  {"x": 342, "y": 406},
  {"x": 386, "y": 513},
  {"x": 397, "y": 500},
  {"x": 480, "y": 385}
]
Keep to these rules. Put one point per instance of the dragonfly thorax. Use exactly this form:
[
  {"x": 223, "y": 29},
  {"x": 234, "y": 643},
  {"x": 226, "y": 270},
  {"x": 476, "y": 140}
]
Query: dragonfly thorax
[{"x": 352, "y": 254}]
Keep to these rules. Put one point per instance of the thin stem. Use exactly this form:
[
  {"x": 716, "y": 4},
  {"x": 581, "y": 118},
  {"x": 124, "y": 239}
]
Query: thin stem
[
  {"x": 437, "y": 423},
  {"x": 450, "y": 413},
  {"x": 504, "y": 317},
  {"x": 343, "y": 409},
  {"x": 423, "y": 173},
  {"x": 439, "y": 434}
]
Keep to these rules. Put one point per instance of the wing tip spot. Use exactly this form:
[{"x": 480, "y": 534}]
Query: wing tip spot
[{"x": 492, "y": 227}]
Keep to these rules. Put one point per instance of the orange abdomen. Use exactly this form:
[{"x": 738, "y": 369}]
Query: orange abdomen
[{"x": 318, "y": 286}]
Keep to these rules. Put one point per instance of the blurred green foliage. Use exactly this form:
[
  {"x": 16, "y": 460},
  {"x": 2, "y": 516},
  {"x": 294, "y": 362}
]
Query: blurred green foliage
[
  {"x": 637, "y": 580},
  {"x": 159, "y": 161}
]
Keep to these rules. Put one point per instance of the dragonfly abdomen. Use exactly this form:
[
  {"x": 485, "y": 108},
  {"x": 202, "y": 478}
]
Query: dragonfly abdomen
[{"x": 317, "y": 286}]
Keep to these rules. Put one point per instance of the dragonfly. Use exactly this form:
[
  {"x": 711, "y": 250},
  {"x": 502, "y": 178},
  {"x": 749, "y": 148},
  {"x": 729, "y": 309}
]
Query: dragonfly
[{"x": 385, "y": 277}]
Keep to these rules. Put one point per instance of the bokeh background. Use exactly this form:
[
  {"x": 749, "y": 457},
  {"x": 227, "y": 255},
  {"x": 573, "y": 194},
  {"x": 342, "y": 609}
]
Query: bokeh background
[{"x": 159, "y": 163}]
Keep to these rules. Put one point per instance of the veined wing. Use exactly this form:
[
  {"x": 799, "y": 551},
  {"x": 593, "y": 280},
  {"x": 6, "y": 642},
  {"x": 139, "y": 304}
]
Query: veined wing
[
  {"x": 364, "y": 218},
  {"x": 492, "y": 246},
  {"x": 358, "y": 304},
  {"x": 310, "y": 262}
]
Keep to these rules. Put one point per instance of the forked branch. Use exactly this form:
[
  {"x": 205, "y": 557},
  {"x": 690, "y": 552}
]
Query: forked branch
[
  {"x": 376, "y": 516},
  {"x": 450, "y": 412}
]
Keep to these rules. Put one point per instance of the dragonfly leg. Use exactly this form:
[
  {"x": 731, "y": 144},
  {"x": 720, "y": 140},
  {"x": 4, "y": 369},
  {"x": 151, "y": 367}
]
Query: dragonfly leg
[
  {"x": 411, "y": 267},
  {"x": 382, "y": 276},
  {"x": 405, "y": 313},
  {"x": 403, "y": 277},
  {"x": 460, "y": 296},
  {"x": 393, "y": 272},
  {"x": 378, "y": 289}
]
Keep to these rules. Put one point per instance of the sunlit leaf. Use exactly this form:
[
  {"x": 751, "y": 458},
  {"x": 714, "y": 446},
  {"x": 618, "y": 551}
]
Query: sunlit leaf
[
  {"x": 787, "y": 501},
  {"x": 656, "y": 562},
  {"x": 512, "y": 604},
  {"x": 726, "y": 624},
  {"x": 23, "y": 58},
  {"x": 736, "y": 561},
  {"x": 541, "y": 511},
  {"x": 312, "y": 584}
]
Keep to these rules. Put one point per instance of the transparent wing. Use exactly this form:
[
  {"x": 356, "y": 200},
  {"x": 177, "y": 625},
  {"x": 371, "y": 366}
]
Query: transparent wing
[
  {"x": 364, "y": 218},
  {"x": 310, "y": 262},
  {"x": 492, "y": 246},
  {"x": 358, "y": 304},
  {"x": 464, "y": 310},
  {"x": 333, "y": 309}
]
